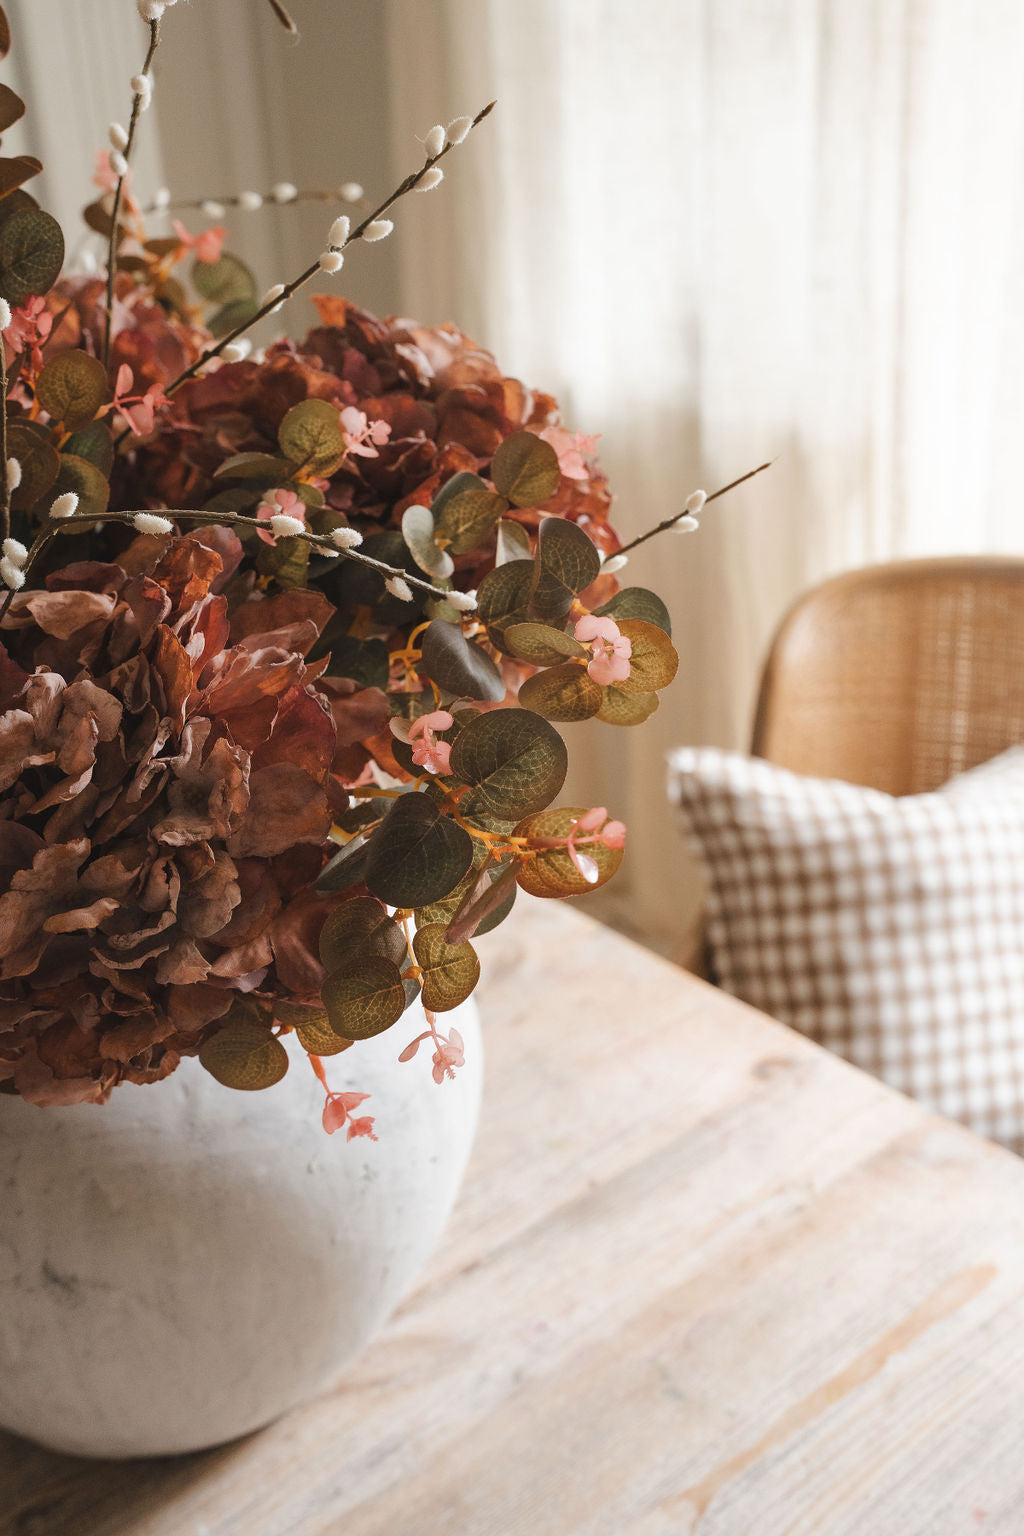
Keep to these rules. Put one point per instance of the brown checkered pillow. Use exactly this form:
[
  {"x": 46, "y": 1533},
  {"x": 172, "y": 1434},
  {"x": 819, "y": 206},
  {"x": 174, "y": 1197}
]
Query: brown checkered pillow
[{"x": 890, "y": 930}]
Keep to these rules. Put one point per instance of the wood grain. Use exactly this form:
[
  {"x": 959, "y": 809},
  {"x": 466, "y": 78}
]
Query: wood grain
[{"x": 703, "y": 1280}]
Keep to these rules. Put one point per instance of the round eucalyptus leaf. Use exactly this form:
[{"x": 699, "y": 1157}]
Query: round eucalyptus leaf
[
  {"x": 654, "y": 661},
  {"x": 525, "y": 469},
  {"x": 459, "y": 665},
  {"x": 566, "y": 563},
  {"x": 31, "y": 253},
  {"x": 450, "y": 971},
  {"x": 542, "y": 644},
  {"x": 226, "y": 281},
  {"x": 419, "y": 534},
  {"x": 364, "y": 1000},
  {"x": 567, "y": 693},
  {"x": 71, "y": 388},
  {"x": 417, "y": 855},
  {"x": 244, "y": 1055},
  {"x": 620, "y": 708},
  {"x": 311, "y": 437},
  {"x": 514, "y": 761},
  {"x": 360, "y": 928},
  {"x": 551, "y": 872},
  {"x": 637, "y": 603}
]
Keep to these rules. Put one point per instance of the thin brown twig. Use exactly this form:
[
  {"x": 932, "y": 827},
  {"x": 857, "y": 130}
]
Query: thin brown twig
[
  {"x": 5, "y": 489},
  {"x": 108, "y": 325},
  {"x": 234, "y": 200},
  {"x": 670, "y": 522},
  {"x": 225, "y": 519},
  {"x": 270, "y": 305},
  {"x": 282, "y": 16}
]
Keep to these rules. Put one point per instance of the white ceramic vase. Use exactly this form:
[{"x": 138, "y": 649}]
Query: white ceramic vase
[{"x": 185, "y": 1263}]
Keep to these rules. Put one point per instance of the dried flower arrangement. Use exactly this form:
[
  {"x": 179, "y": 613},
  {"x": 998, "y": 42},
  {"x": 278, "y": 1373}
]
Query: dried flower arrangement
[{"x": 286, "y": 638}]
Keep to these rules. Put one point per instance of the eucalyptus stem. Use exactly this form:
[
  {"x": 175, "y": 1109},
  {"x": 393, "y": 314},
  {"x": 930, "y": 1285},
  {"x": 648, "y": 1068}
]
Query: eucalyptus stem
[
  {"x": 670, "y": 522},
  {"x": 229, "y": 520},
  {"x": 410, "y": 184},
  {"x": 5, "y": 489},
  {"x": 108, "y": 322}
]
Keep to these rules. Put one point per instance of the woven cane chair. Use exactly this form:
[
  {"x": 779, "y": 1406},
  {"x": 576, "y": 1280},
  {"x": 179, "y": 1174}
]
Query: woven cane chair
[{"x": 898, "y": 676}]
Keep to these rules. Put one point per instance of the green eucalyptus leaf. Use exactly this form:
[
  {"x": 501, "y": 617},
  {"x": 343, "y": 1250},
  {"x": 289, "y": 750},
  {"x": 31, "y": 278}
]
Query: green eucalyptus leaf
[
  {"x": 525, "y": 469},
  {"x": 287, "y": 561},
  {"x": 255, "y": 466},
  {"x": 514, "y": 761},
  {"x": 450, "y": 971},
  {"x": 40, "y": 462},
  {"x": 347, "y": 866},
  {"x": 319, "y": 1038},
  {"x": 226, "y": 281},
  {"x": 637, "y": 603},
  {"x": 14, "y": 202},
  {"x": 239, "y": 312},
  {"x": 311, "y": 437},
  {"x": 458, "y": 665},
  {"x": 358, "y": 929},
  {"x": 551, "y": 871},
  {"x": 95, "y": 443},
  {"x": 71, "y": 388},
  {"x": 365, "y": 1000},
  {"x": 542, "y": 644},
  {"x": 565, "y": 564},
  {"x": 513, "y": 542},
  {"x": 653, "y": 663},
  {"x": 418, "y": 533},
  {"x": 443, "y": 911},
  {"x": 244, "y": 1055},
  {"x": 87, "y": 482},
  {"x": 417, "y": 855},
  {"x": 502, "y": 598},
  {"x": 31, "y": 253},
  {"x": 467, "y": 516},
  {"x": 621, "y": 708},
  {"x": 567, "y": 693}
]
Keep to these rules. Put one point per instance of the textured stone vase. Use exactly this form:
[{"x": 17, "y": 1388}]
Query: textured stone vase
[{"x": 185, "y": 1263}]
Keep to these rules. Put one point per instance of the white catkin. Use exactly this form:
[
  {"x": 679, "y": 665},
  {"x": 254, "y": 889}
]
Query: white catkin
[
  {"x": 12, "y": 574},
  {"x": 212, "y": 209},
  {"x": 118, "y": 163},
  {"x": 686, "y": 524},
  {"x": 339, "y": 230},
  {"x": 615, "y": 563},
  {"x": 148, "y": 522},
  {"x": 273, "y": 293},
  {"x": 15, "y": 551},
  {"x": 399, "y": 588},
  {"x": 695, "y": 501},
  {"x": 430, "y": 179},
  {"x": 5, "y": 314},
  {"x": 350, "y": 192},
  {"x": 150, "y": 10},
  {"x": 330, "y": 261},
  {"x": 434, "y": 141},
  {"x": 161, "y": 199},
  {"x": 458, "y": 128},
  {"x": 250, "y": 201},
  {"x": 65, "y": 505},
  {"x": 118, "y": 136},
  {"x": 142, "y": 85},
  {"x": 236, "y": 351},
  {"x": 287, "y": 527},
  {"x": 346, "y": 538},
  {"x": 285, "y": 192},
  {"x": 465, "y": 602},
  {"x": 378, "y": 229},
  {"x": 13, "y": 474}
]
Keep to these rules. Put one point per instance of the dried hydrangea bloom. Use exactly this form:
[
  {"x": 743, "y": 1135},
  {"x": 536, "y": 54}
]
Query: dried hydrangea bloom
[{"x": 166, "y": 790}]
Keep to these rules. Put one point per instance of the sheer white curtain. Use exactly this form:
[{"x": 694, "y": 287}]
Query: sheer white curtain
[{"x": 722, "y": 232}]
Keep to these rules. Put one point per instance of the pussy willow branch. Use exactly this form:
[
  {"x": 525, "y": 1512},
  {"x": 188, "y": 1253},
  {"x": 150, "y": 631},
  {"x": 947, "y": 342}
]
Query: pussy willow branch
[
  {"x": 670, "y": 522},
  {"x": 408, "y": 185},
  {"x": 108, "y": 319},
  {"x": 282, "y": 16},
  {"x": 234, "y": 200},
  {"x": 228, "y": 520}
]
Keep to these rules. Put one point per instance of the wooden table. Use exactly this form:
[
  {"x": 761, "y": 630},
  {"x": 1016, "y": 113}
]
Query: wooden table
[{"x": 703, "y": 1278}]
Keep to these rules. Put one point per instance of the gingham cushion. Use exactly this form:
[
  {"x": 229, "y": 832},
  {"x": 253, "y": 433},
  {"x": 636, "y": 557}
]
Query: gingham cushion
[{"x": 890, "y": 930}]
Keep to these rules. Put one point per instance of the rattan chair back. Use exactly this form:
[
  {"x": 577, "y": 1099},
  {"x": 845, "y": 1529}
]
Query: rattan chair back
[{"x": 898, "y": 676}]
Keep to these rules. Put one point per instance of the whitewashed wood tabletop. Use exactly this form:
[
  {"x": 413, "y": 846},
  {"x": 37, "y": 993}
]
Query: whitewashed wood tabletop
[{"x": 703, "y": 1280}]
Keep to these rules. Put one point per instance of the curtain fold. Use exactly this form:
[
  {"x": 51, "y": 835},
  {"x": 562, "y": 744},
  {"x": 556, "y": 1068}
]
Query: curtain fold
[{"x": 725, "y": 232}]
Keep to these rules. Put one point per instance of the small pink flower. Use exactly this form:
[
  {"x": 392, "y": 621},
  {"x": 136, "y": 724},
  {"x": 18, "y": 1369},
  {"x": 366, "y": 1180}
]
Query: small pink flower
[
  {"x": 139, "y": 411},
  {"x": 104, "y": 176},
  {"x": 572, "y": 449},
  {"x": 593, "y": 827},
  {"x": 207, "y": 246},
  {"x": 361, "y": 1127},
  {"x": 427, "y": 751},
  {"x": 450, "y": 1054},
  {"x": 31, "y": 324},
  {"x": 274, "y": 502},
  {"x": 363, "y": 437},
  {"x": 337, "y": 1110},
  {"x": 610, "y": 650}
]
